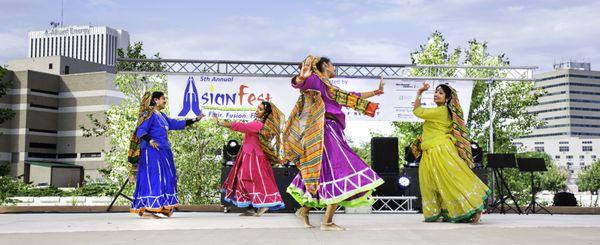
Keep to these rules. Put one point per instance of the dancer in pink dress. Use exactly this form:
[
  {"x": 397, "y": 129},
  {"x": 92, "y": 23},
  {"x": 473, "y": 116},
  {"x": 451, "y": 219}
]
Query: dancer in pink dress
[{"x": 251, "y": 183}]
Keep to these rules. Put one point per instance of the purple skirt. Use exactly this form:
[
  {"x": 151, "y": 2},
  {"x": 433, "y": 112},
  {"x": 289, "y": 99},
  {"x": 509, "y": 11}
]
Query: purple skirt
[{"x": 345, "y": 178}]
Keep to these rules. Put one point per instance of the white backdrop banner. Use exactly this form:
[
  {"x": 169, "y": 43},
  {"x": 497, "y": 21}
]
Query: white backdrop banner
[{"x": 233, "y": 97}]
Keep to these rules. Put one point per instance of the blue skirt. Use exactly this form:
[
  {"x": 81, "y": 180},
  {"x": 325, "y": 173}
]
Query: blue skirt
[{"x": 156, "y": 186}]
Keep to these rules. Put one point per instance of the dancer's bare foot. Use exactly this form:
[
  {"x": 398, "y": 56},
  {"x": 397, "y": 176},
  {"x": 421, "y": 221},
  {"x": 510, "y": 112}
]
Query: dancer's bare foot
[
  {"x": 148, "y": 215},
  {"x": 331, "y": 227},
  {"x": 261, "y": 211},
  {"x": 476, "y": 218},
  {"x": 302, "y": 213},
  {"x": 249, "y": 212}
]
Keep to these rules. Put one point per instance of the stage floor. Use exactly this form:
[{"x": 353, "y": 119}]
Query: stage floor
[{"x": 221, "y": 228}]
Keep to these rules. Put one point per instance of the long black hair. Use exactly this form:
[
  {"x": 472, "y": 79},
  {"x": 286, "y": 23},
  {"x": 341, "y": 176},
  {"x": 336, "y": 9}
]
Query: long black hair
[
  {"x": 322, "y": 61},
  {"x": 156, "y": 95},
  {"x": 448, "y": 91},
  {"x": 268, "y": 109}
]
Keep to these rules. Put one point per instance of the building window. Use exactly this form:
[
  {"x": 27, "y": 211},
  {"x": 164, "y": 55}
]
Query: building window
[
  {"x": 41, "y": 155},
  {"x": 582, "y": 163},
  {"x": 556, "y": 157},
  {"x": 571, "y": 171},
  {"x": 43, "y": 131},
  {"x": 50, "y": 66},
  {"x": 102, "y": 53},
  {"x": 539, "y": 148},
  {"x": 570, "y": 164},
  {"x": 91, "y": 155},
  {"x": 67, "y": 69},
  {"x": 581, "y": 157},
  {"x": 593, "y": 156},
  {"x": 67, "y": 155},
  {"x": 564, "y": 142},
  {"x": 42, "y": 145},
  {"x": 539, "y": 143},
  {"x": 563, "y": 148},
  {"x": 44, "y": 106},
  {"x": 586, "y": 148},
  {"x": 586, "y": 142},
  {"x": 569, "y": 157}
]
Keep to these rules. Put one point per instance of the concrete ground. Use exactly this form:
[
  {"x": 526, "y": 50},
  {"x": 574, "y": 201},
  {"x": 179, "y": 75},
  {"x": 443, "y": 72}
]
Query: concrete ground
[{"x": 286, "y": 229}]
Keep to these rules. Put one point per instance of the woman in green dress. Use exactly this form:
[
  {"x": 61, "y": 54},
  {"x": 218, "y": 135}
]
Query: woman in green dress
[{"x": 450, "y": 190}]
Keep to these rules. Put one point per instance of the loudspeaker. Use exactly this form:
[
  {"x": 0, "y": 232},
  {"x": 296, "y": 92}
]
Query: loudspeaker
[
  {"x": 390, "y": 187},
  {"x": 564, "y": 199},
  {"x": 384, "y": 155},
  {"x": 283, "y": 178}
]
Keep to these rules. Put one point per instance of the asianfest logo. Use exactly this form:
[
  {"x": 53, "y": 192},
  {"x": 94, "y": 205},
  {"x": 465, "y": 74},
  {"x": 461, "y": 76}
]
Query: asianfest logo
[{"x": 238, "y": 104}]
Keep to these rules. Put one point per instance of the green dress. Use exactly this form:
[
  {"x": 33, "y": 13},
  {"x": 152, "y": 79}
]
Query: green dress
[{"x": 449, "y": 188}]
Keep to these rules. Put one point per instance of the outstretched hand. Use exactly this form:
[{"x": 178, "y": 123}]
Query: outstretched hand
[
  {"x": 305, "y": 70},
  {"x": 424, "y": 88},
  {"x": 381, "y": 85}
]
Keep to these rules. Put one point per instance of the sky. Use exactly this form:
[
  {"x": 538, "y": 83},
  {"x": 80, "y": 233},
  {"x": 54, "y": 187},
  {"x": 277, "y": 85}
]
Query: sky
[{"x": 532, "y": 33}]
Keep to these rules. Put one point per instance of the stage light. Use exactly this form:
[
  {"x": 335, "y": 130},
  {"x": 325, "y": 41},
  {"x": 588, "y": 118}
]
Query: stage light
[
  {"x": 477, "y": 154},
  {"x": 230, "y": 151},
  {"x": 404, "y": 181}
]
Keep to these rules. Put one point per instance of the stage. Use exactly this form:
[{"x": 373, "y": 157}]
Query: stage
[{"x": 221, "y": 228}]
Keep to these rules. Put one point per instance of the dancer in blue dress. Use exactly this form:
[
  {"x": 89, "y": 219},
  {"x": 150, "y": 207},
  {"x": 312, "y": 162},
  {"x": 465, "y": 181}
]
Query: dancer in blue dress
[{"x": 156, "y": 185}]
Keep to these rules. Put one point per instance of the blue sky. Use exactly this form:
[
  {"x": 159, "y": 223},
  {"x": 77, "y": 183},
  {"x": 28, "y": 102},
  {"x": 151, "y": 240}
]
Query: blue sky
[
  {"x": 385, "y": 31},
  {"x": 536, "y": 33}
]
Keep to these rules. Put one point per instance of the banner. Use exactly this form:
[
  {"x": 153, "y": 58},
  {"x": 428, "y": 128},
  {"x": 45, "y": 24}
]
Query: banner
[{"x": 236, "y": 98}]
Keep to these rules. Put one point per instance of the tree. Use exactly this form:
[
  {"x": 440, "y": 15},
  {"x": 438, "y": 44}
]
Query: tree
[
  {"x": 589, "y": 180},
  {"x": 5, "y": 83},
  {"x": 195, "y": 149},
  {"x": 511, "y": 119},
  {"x": 435, "y": 52},
  {"x": 511, "y": 100}
]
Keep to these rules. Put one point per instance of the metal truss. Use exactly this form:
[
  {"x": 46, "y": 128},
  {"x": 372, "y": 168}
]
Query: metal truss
[
  {"x": 360, "y": 70},
  {"x": 394, "y": 204},
  {"x": 385, "y": 204}
]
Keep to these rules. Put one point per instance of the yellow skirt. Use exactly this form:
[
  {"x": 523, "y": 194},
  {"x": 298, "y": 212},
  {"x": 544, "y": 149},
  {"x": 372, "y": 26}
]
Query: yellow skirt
[{"x": 449, "y": 188}]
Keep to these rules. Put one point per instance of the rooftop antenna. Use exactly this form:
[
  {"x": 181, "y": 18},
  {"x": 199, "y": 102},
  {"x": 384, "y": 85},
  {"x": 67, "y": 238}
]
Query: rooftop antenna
[{"x": 56, "y": 24}]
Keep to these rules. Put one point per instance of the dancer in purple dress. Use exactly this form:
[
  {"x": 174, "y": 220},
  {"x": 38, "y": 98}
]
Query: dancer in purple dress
[{"x": 331, "y": 174}]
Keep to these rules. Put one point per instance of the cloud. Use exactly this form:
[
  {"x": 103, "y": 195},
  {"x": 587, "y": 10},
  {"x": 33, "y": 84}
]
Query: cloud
[{"x": 537, "y": 36}]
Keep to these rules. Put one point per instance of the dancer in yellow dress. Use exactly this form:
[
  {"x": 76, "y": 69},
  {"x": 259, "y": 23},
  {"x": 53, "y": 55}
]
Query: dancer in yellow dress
[{"x": 450, "y": 190}]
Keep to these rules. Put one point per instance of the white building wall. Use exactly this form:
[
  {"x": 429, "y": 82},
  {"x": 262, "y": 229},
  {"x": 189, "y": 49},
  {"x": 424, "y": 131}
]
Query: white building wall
[{"x": 96, "y": 44}]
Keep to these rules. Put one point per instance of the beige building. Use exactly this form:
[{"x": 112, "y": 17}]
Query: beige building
[
  {"x": 571, "y": 110},
  {"x": 52, "y": 97}
]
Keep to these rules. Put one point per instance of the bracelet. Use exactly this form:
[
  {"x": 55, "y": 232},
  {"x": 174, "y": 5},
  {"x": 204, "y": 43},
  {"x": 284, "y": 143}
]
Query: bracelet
[
  {"x": 377, "y": 92},
  {"x": 301, "y": 78}
]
